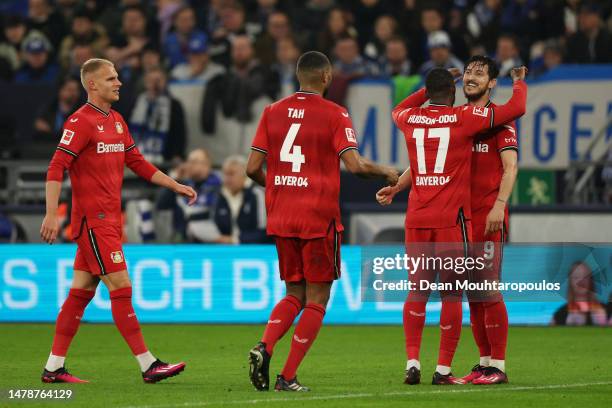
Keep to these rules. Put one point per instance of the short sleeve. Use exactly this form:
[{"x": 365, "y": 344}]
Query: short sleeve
[
  {"x": 507, "y": 138},
  {"x": 260, "y": 141},
  {"x": 344, "y": 135},
  {"x": 75, "y": 136}
]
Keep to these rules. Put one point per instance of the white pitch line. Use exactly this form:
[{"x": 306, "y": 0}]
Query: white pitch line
[{"x": 370, "y": 395}]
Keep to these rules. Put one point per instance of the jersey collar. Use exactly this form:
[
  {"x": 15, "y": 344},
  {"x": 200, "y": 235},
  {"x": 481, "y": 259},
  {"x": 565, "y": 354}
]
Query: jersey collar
[
  {"x": 437, "y": 104},
  {"x": 307, "y": 92},
  {"x": 488, "y": 103},
  {"x": 91, "y": 105}
]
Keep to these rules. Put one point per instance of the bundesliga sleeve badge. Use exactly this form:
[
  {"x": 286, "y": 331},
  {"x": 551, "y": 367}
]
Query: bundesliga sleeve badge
[
  {"x": 67, "y": 137},
  {"x": 350, "y": 135},
  {"x": 118, "y": 127}
]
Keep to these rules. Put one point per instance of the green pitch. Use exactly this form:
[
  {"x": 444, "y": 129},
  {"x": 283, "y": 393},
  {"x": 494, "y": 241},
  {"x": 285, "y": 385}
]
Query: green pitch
[{"x": 348, "y": 366}]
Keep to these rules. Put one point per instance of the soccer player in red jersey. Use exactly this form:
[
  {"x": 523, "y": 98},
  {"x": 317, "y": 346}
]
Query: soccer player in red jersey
[
  {"x": 439, "y": 138},
  {"x": 302, "y": 139},
  {"x": 95, "y": 147},
  {"x": 494, "y": 170}
]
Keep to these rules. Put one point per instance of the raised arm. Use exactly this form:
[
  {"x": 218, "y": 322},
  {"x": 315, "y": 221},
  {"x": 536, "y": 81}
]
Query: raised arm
[
  {"x": 516, "y": 106},
  {"x": 413, "y": 100}
]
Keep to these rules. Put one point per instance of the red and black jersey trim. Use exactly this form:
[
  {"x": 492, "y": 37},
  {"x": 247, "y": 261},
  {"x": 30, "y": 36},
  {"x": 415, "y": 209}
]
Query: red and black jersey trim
[
  {"x": 96, "y": 108},
  {"x": 257, "y": 149},
  {"x": 464, "y": 232},
  {"x": 346, "y": 149},
  {"x": 130, "y": 147},
  {"x": 508, "y": 148},
  {"x": 94, "y": 246},
  {"x": 63, "y": 149}
]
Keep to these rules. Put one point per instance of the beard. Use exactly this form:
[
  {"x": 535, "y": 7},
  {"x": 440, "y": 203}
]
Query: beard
[{"x": 475, "y": 96}]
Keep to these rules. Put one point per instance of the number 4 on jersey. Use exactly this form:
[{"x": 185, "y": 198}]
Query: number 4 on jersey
[{"x": 295, "y": 156}]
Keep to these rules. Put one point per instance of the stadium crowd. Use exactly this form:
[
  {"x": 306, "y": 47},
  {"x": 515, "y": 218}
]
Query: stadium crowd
[{"x": 242, "y": 50}]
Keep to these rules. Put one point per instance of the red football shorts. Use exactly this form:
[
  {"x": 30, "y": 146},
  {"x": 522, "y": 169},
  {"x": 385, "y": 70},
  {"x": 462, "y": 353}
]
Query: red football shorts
[
  {"x": 99, "y": 250},
  {"x": 435, "y": 246},
  {"x": 313, "y": 260},
  {"x": 491, "y": 248}
]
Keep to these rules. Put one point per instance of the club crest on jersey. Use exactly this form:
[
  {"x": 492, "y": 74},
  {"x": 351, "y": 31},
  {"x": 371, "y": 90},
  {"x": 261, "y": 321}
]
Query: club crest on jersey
[
  {"x": 350, "y": 135},
  {"x": 481, "y": 111},
  {"x": 67, "y": 137},
  {"x": 116, "y": 257},
  {"x": 118, "y": 127}
]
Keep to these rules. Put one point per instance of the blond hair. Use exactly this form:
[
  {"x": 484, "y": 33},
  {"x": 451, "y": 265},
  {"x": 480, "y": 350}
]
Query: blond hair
[{"x": 91, "y": 66}]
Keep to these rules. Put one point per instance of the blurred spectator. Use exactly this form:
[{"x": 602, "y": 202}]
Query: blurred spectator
[
  {"x": 198, "y": 66},
  {"x": 44, "y": 18},
  {"x": 592, "y": 43},
  {"x": 126, "y": 45},
  {"x": 192, "y": 223},
  {"x": 432, "y": 21},
  {"x": 348, "y": 62},
  {"x": 287, "y": 54},
  {"x": 367, "y": 13},
  {"x": 240, "y": 211},
  {"x": 176, "y": 44},
  {"x": 15, "y": 31},
  {"x": 385, "y": 28},
  {"x": 167, "y": 11},
  {"x": 77, "y": 57},
  {"x": 50, "y": 120},
  {"x": 232, "y": 24},
  {"x": 245, "y": 81},
  {"x": 583, "y": 307},
  {"x": 552, "y": 56},
  {"x": 308, "y": 17},
  {"x": 263, "y": 10},
  {"x": 395, "y": 61},
  {"x": 439, "y": 45},
  {"x": 483, "y": 23},
  {"x": 38, "y": 68},
  {"x": 277, "y": 28},
  {"x": 157, "y": 122},
  {"x": 521, "y": 18},
  {"x": 336, "y": 27},
  {"x": 84, "y": 32},
  {"x": 508, "y": 54},
  {"x": 409, "y": 18}
]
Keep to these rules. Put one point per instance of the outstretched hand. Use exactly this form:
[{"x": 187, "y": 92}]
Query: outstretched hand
[
  {"x": 187, "y": 192},
  {"x": 385, "y": 195},
  {"x": 519, "y": 73}
]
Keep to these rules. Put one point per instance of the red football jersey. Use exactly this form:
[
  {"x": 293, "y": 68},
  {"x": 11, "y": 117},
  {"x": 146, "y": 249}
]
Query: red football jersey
[
  {"x": 439, "y": 141},
  {"x": 94, "y": 148},
  {"x": 487, "y": 168},
  {"x": 303, "y": 136}
]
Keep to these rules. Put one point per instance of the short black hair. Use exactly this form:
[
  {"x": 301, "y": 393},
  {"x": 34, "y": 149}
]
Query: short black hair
[
  {"x": 312, "y": 61},
  {"x": 492, "y": 67},
  {"x": 439, "y": 83}
]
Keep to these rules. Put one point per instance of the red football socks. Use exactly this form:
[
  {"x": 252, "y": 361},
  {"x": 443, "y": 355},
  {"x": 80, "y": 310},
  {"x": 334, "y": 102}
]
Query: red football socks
[
  {"x": 450, "y": 331},
  {"x": 304, "y": 335},
  {"x": 126, "y": 321},
  {"x": 496, "y": 324},
  {"x": 477, "y": 321},
  {"x": 280, "y": 321},
  {"x": 414, "y": 320},
  {"x": 69, "y": 318}
]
